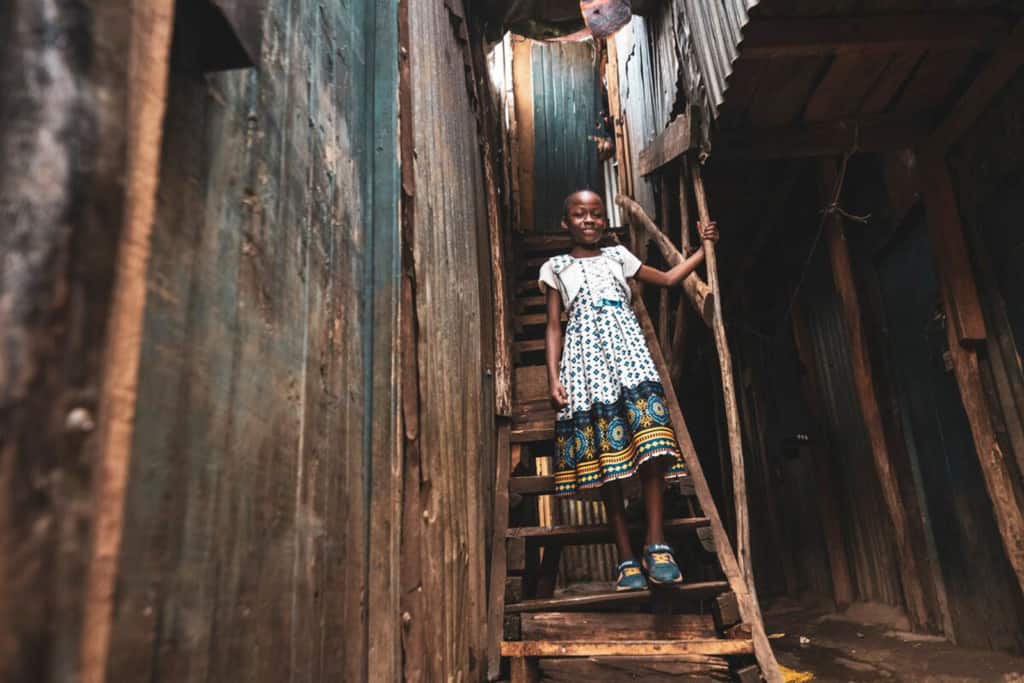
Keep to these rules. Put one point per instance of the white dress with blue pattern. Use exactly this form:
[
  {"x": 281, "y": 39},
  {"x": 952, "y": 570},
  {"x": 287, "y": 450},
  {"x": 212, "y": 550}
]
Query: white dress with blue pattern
[{"x": 617, "y": 418}]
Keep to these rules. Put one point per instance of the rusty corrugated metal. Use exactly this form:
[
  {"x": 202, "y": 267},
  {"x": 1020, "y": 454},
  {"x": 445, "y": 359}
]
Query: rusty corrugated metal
[{"x": 710, "y": 32}]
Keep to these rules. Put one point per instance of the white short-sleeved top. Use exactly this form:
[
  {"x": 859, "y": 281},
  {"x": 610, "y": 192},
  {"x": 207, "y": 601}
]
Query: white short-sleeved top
[{"x": 565, "y": 272}]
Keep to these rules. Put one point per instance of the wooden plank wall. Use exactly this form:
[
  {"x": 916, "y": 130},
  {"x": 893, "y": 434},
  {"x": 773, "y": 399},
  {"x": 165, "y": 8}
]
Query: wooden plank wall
[
  {"x": 261, "y": 513},
  {"x": 63, "y": 117},
  {"x": 455, "y": 328}
]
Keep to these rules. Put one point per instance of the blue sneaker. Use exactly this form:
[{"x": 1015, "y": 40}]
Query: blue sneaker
[
  {"x": 660, "y": 566},
  {"x": 631, "y": 578}
]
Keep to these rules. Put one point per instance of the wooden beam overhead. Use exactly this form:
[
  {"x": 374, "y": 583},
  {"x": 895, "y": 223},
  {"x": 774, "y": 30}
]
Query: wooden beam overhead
[
  {"x": 671, "y": 143},
  {"x": 994, "y": 75},
  {"x": 827, "y": 36},
  {"x": 817, "y": 140}
]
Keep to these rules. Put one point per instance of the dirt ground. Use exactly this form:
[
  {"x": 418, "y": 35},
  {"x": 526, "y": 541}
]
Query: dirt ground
[{"x": 873, "y": 643}]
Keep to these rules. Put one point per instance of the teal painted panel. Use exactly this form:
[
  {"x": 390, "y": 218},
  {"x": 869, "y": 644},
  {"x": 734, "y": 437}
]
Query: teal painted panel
[{"x": 565, "y": 109}]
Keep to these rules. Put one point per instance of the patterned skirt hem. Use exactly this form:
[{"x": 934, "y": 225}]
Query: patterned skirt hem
[{"x": 572, "y": 488}]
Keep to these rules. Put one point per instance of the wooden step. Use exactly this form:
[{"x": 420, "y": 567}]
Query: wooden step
[
  {"x": 584, "y": 626},
  {"x": 529, "y": 432},
  {"x": 705, "y": 668},
  {"x": 530, "y": 384},
  {"x": 531, "y": 485},
  {"x": 680, "y": 592},
  {"x": 581, "y": 534},
  {"x": 525, "y": 286},
  {"x": 528, "y": 345},
  {"x": 525, "y": 302},
  {"x": 635, "y": 648},
  {"x": 529, "y": 319}
]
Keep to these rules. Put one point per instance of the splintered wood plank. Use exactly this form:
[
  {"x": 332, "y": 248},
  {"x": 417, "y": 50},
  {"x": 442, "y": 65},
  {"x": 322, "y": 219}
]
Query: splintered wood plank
[
  {"x": 636, "y": 648},
  {"x": 583, "y": 626},
  {"x": 676, "y": 593},
  {"x": 670, "y": 144},
  {"x": 568, "y": 534},
  {"x": 496, "y": 600}
]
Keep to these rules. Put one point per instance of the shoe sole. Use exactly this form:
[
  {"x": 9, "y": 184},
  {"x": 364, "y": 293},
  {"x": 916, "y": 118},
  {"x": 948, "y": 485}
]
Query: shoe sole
[
  {"x": 664, "y": 583},
  {"x": 653, "y": 580},
  {"x": 619, "y": 589}
]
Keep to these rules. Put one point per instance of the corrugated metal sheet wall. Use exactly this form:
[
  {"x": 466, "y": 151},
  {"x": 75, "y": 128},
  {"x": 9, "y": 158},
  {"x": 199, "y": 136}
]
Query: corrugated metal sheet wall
[
  {"x": 636, "y": 95},
  {"x": 866, "y": 525}
]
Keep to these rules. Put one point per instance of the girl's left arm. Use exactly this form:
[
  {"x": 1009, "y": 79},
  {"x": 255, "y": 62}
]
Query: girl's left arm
[{"x": 678, "y": 272}]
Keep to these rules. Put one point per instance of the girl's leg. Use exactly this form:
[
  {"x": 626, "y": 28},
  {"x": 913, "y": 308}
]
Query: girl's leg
[
  {"x": 616, "y": 511},
  {"x": 653, "y": 481}
]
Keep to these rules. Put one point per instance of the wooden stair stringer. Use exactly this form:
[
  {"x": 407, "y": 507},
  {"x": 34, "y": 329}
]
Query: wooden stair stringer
[{"x": 749, "y": 611}]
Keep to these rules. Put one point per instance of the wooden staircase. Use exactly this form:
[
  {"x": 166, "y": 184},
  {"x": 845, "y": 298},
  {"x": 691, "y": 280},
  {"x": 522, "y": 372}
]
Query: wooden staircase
[{"x": 706, "y": 628}]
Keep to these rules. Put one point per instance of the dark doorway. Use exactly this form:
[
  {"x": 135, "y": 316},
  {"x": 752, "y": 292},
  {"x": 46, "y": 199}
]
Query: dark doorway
[{"x": 974, "y": 568}]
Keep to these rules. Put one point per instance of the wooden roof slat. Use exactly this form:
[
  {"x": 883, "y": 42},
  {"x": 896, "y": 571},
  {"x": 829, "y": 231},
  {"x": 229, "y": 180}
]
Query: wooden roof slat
[
  {"x": 901, "y": 65},
  {"x": 845, "y": 85},
  {"x": 827, "y": 36},
  {"x": 817, "y": 139}
]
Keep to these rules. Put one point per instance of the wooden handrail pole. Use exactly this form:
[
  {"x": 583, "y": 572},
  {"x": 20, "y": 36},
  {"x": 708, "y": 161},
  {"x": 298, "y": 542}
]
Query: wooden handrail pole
[
  {"x": 697, "y": 291},
  {"x": 739, "y": 481}
]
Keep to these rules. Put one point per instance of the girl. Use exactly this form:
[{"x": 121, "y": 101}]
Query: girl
[{"x": 612, "y": 423}]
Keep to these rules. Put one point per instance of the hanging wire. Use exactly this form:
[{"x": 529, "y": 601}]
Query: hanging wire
[{"x": 832, "y": 208}]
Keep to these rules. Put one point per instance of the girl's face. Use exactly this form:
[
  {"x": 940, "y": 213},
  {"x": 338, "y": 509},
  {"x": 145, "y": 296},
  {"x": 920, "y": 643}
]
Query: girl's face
[{"x": 585, "y": 220}]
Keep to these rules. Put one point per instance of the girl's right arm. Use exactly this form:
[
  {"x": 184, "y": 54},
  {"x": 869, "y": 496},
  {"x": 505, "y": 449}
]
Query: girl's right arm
[{"x": 553, "y": 347}]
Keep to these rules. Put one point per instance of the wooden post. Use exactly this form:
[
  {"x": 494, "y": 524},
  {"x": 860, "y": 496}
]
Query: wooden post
[
  {"x": 732, "y": 417},
  {"x": 962, "y": 306},
  {"x": 522, "y": 86},
  {"x": 663, "y": 330},
  {"x": 148, "y": 68},
  {"x": 678, "y": 339},
  {"x": 496, "y": 600},
  {"x": 864, "y": 384},
  {"x": 842, "y": 585}
]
